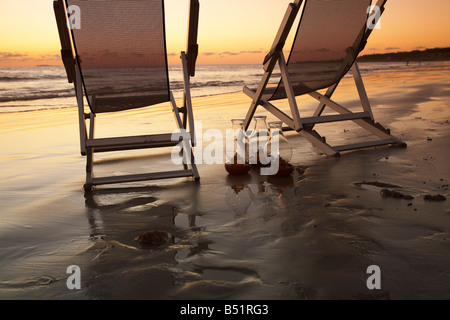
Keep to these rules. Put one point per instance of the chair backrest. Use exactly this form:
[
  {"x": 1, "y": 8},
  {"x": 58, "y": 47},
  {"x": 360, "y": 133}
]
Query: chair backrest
[
  {"x": 121, "y": 50},
  {"x": 67, "y": 54},
  {"x": 329, "y": 37}
]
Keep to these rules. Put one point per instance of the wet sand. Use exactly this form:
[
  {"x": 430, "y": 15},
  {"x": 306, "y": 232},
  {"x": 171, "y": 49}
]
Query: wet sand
[{"x": 309, "y": 236}]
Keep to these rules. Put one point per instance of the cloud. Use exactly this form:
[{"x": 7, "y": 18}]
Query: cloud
[
  {"x": 46, "y": 57},
  {"x": 392, "y": 48},
  {"x": 50, "y": 56},
  {"x": 14, "y": 58},
  {"x": 10, "y": 55},
  {"x": 238, "y": 53},
  {"x": 105, "y": 53},
  {"x": 254, "y": 52},
  {"x": 228, "y": 53}
]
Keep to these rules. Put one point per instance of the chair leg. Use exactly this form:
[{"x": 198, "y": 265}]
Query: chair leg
[
  {"x": 90, "y": 155},
  {"x": 186, "y": 150},
  {"x": 89, "y": 169},
  {"x": 319, "y": 142},
  {"x": 322, "y": 105},
  {"x": 256, "y": 97}
]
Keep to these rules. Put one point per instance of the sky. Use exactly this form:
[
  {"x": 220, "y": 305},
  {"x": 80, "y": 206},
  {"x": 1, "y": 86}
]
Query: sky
[{"x": 230, "y": 32}]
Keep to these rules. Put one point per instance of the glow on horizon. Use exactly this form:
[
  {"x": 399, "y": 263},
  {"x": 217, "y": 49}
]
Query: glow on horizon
[{"x": 230, "y": 32}]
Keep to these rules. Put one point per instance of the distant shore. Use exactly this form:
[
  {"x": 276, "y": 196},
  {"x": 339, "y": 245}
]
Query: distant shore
[{"x": 436, "y": 54}]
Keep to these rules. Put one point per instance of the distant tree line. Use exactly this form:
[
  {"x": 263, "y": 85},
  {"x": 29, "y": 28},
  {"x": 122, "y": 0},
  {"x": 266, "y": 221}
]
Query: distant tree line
[{"x": 436, "y": 54}]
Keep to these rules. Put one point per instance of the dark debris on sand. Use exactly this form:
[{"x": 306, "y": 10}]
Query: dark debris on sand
[
  {"x": 395, "y": 194},
  {"x": 154, "y": 238},
  {"x": 437, "y": 197}
]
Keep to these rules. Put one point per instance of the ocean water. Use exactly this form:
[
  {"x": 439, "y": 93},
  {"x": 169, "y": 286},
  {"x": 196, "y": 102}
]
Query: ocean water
[{"x": 46, "y": 87}]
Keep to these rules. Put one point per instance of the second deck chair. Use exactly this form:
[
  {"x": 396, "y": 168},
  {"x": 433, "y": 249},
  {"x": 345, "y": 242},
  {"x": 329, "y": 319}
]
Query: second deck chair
[
  {"x": 115, "y": 54},
  {"x": 330, "y": 35}
]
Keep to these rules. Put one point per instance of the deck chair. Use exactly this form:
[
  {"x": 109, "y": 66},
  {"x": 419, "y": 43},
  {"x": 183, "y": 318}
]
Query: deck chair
[
  {"x": 329, "y": 37},
  {"x": 115, "y": 54}
]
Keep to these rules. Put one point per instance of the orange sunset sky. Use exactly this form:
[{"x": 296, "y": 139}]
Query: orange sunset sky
[{"x": 231, "y": 31}]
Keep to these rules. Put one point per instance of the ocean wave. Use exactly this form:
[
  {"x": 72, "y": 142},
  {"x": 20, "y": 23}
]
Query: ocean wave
[
  {"x": 259, "y": 75},
  {"x": 15, "y": 109},
  {"x": 30, "y": 78},
  {"x": 29, "y": 87},
  {"x": 218, "y": 84},
  {"x": 37, "y": 96}
]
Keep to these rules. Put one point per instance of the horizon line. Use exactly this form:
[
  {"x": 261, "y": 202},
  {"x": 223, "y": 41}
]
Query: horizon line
[{"x": 53, "y": 57}]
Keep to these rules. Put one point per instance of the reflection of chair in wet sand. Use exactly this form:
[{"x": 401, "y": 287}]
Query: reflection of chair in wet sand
[
  {"x": 106, "y": 209},
  {"x": 329, "y": 37},
  {"x": 117, "y": 217},
  {"x": 115, "y": 54}
]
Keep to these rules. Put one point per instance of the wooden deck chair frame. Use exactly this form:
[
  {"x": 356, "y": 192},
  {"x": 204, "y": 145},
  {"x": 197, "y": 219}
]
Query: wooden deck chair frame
[
  {"x": 305, "y": 125},
  {"x": 90, "y": 145}
]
